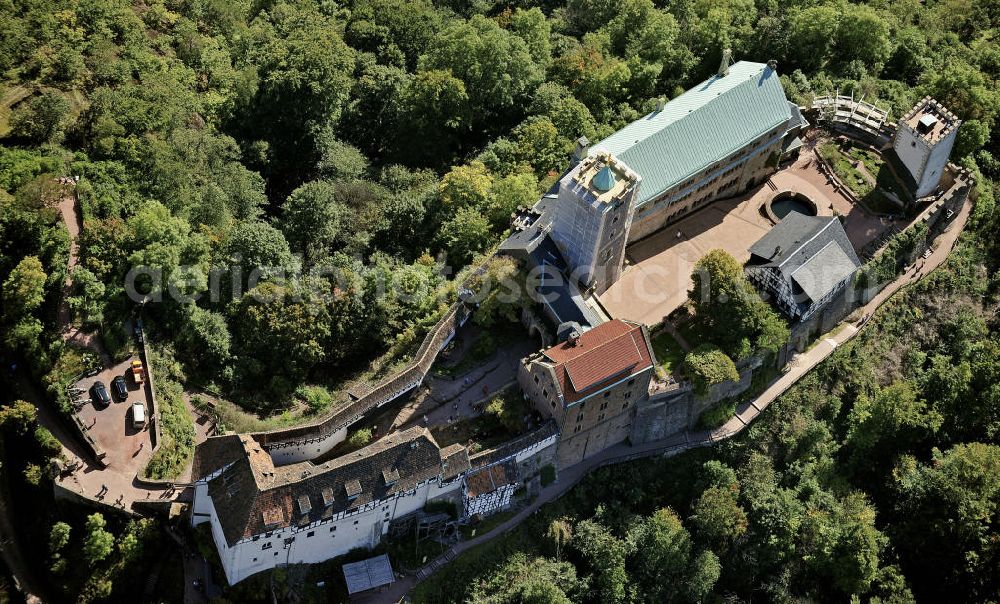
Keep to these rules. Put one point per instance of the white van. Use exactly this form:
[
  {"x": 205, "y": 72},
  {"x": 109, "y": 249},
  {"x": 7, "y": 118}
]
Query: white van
[{"x": 138, "y": 415}]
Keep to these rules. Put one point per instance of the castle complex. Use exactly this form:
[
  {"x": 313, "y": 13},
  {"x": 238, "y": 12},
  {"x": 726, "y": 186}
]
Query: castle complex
[{"x": 269, "y": 504}]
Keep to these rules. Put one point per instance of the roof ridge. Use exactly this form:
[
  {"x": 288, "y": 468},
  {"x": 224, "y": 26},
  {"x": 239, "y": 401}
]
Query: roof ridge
[{"x": 807, "y": 241}]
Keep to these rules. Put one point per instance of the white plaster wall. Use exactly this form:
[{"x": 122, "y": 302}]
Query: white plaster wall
[
  {"x": 936, "y": 163},
  {"x": 525, "y": 453},
  {"x": 912, "y": 155},
  {"x": 202, "y": 509},
  {"x": 318, "y": 541},
  {"x": 286, "y": 455}
]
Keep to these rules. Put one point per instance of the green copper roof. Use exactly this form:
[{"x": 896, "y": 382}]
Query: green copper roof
[
  {"x": 705, "y": 124},
  {"x": 604, "y": 180}
]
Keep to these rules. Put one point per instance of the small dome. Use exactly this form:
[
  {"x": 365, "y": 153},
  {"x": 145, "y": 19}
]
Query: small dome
[{"x": 605, "y": 179}]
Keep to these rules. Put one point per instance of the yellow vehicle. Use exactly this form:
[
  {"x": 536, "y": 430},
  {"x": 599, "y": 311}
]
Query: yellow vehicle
[{"x": 138, "y": 372}]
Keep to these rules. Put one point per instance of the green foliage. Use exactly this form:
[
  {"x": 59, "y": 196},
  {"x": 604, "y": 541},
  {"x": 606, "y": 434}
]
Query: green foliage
[
  {"x": 508, "y": 412},
  {"x": 42, "y": 118},
  {"x": 729, "y": 307},
  {"x": 317, "y": 398},
  {"x": 359, "y": 438},
  {"x": 59, "y": 537},
  {"x": 707, "y": 366},
  {"x": 310, "y": 220},
  {"x": 24, "y": 289},
  {"x": 496, "y": 66},
  {"x": 176, "y": 426},
  {"x": 98, "y": 543},
  {"x": 49, "y": 444},
  {"x": 718, "y": 516},
  {"x": 464, "y": 235},
  {"x": 605, "y": 555}
]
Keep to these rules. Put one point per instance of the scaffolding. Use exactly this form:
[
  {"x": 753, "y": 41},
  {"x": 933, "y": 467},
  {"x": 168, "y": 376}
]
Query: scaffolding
[{"x": 842, "y": 109}]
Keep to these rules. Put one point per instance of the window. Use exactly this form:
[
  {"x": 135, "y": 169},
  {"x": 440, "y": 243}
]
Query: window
[
  {"x": 333, "y": 528},
  {"x": 355, "y": 522},
  {"x": 625, "y": 405},
  {"x": 310, "y": 533},
  {"x": 255, "y": 559},
  {"x": 545, "y": 393},
  {"x": 536, "y": 379},
  {"x": 600, "y": 417},
  {"x": 267, "y": 545},
  {"x": 604, "y": 406},
  {"x": 553, "y": 404},
  {"x": 631, "y": 382},
  {"x": 628, "y": 395},
  {"x": 579, "y": 418},
  {"x": 575, "y": 430},
  {"x": 607, "y": 394}
]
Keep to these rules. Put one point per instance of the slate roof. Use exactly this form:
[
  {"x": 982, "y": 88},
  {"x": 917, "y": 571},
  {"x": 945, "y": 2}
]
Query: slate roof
[
  {"x": 214, "y": 453},
  {"x": 700, "y": 127},
  {"x": 253, "y": 496},
  {"x": 609, "y": 352},
  {"x": 454, "y": 461},
  {"x": 813, "y": 252}
]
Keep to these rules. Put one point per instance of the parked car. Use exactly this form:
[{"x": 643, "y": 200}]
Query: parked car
[
  {"x": 138, "y": 415},
  {"x": 138, "y": 372},
  {"x": 99, "y": 394},
  {"x": 119, "y": 388}
]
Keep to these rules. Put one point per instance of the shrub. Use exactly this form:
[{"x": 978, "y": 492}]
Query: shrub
[
  {"x": 507, "y": 412},
  {"x": 317, "y": 398},
  {"x": 49, "y": 443},
  {"x": 360, "y": 438},
  {"x": 717, "y": 415},
  {"x": 706, "y": 366},
  {"x": 176, "y": 427}
]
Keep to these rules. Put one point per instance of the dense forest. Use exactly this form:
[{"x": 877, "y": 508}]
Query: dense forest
[
  {"x": 347, "y": 147},
  {"x": 358, "y": 144},
  {"x": 874, "y": 479}
]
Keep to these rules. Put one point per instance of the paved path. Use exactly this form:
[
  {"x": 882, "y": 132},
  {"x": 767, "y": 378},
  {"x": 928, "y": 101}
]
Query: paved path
[{"x": 745, "y": 414}]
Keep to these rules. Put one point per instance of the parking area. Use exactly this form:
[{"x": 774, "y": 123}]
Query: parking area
[{"x": 128, "y": 447}]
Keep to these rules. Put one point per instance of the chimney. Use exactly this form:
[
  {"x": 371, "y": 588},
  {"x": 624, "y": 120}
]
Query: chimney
[
  {"x": 582, "y": 148},
  {"x": 772, "y": 65},
  {"x": 574, "y": 338},
  {"x": 661, "y": 103},
  {"x": 727, "y": 60}
]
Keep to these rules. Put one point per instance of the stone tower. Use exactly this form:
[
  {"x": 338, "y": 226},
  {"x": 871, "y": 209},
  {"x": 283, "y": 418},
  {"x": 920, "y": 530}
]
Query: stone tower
[
  {"x": 923, "y": 142},
  {"x": 592, "y": 218}
]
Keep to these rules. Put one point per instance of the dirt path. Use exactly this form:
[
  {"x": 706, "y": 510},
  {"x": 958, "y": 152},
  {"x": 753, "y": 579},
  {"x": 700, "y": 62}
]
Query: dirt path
[
  {"x": 70, "y": 212},
  {"x": 745, "y": 414}
]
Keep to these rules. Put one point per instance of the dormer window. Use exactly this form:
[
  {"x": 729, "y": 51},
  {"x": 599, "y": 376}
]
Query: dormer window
[
  {"x": 273, "y": 517},
  {"x": 352, "y": 488},
  {"x": 390, "y": 476},
  {"x": 305, "y": 506},
  {"x": 327, "y": 497}
]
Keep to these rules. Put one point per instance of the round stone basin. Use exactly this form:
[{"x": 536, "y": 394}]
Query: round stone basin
[{"x": 789, "y": 201}]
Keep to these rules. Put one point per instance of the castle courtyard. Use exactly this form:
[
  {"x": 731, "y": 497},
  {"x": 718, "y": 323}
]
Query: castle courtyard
[{"x": 658, "y": 274}]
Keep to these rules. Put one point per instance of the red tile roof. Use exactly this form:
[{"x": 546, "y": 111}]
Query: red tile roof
[{"x": 607, "y": 353}]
